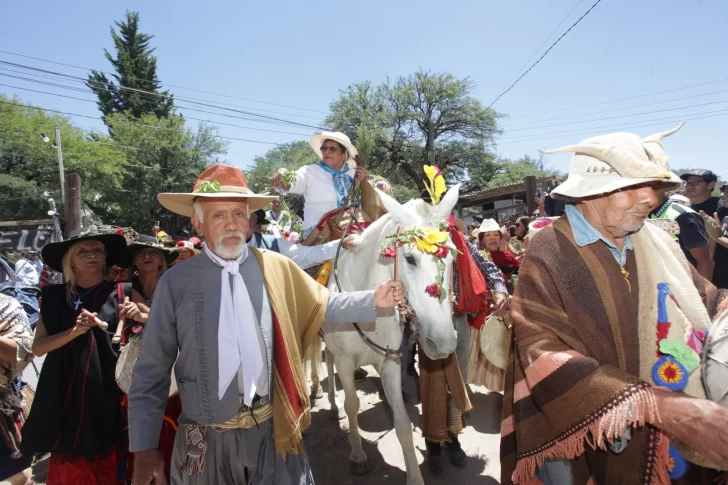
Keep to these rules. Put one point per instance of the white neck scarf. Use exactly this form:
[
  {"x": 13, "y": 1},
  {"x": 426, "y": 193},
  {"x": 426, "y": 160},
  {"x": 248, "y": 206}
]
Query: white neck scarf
[{"x": 237, "y": 334}]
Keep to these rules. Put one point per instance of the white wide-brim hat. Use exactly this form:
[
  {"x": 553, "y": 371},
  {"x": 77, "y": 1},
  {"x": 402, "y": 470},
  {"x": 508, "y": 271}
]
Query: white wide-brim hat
[
  {"x": 607, "y": 163},
  {"x": 337, "y": 136},
  {"x": 218, "y": 181},
  {"x": 488, "y": 225}
]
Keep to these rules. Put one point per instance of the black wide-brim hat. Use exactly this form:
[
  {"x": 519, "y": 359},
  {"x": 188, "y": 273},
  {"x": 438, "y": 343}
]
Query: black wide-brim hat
[
  {"x": 146, "y": 242},
  {"x": 115, "y": 243},
  {"x": 261, "y": 217}
]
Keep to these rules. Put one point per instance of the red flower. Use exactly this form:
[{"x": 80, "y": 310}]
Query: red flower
[
  {"x": 119, "y": 231},
  {"x": 442, "y": 252},
  {"x": 439, "y": 172},
  {"x": 433, "y": 290},
  {"x": 137, "y": 329},
  {"x": 389, "y": 253},
  {"x": 451, "y": 221}
]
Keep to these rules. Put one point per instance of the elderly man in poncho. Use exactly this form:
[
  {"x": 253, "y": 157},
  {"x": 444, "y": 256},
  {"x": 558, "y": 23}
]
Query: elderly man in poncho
[
  {"x": 604, "y": 379},
  {"x": 234, "y": 322}
]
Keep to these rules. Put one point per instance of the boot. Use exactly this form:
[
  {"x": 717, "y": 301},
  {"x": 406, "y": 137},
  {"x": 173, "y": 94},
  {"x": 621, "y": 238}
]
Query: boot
[
  {"x": 457, "y": 455},
  {"x": 434, "y": 457}
]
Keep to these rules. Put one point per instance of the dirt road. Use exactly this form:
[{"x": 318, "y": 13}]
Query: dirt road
[{"x": 328, "y": 447}]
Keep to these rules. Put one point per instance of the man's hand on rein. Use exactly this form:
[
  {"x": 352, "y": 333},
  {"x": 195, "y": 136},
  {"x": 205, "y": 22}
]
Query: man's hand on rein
[{"x": 388, "y": 295}]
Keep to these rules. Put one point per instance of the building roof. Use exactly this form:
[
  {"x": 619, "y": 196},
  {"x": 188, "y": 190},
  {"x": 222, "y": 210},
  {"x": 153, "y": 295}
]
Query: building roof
[{"x": 504, "y": 191}]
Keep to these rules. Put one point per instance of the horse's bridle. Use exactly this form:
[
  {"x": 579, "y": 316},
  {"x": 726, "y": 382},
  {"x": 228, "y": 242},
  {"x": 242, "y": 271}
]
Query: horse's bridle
[{"x": 406, "y": 312}]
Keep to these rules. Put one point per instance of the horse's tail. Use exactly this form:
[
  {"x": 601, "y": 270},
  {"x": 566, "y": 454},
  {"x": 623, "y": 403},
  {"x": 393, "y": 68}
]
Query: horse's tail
[{"x": 313, "y": 359}]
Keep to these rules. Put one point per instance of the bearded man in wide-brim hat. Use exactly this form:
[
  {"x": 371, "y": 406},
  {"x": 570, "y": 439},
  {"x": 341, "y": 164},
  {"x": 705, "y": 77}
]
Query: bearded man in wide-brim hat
[
  {"x": 240, "y": 320},
  {"x": 604, "y": 379}
]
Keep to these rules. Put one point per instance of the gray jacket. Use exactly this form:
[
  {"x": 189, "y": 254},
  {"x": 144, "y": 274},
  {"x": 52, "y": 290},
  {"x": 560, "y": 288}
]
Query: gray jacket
[{"x": 184, "y": 321}]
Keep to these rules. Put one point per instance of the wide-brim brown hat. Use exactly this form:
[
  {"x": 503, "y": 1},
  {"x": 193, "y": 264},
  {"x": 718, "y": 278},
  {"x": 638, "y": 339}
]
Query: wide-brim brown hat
[
  {"x": 115, "y": 243},
  {"x": 146, "y": 242},
  {"x": 219, "y": 181}
]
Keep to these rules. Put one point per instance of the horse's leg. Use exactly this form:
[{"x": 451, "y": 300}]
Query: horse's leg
[
  {"x": 358, "y": 461},
  {"x": 392, "y": 382},
  {"x": 333, "y": 401},
  {"x": 313, "y": 359}
]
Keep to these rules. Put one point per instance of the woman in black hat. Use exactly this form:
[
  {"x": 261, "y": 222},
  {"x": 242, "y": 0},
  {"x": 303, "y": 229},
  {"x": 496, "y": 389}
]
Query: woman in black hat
[
  {"x": 76, "y": 415},
  {"x": 147, "y": 260}
]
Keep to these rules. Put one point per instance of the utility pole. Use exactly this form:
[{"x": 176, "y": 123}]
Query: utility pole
[
  {"x": 72, "y": 207},
  {"x": 60, "y": 164},
  {"x": 530, "y": 185}
]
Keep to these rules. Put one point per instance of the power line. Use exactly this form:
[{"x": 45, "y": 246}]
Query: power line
[
  {"x": 151, "y": 93},
  {"x": 621, "y": 116},
  {"x": 620, "y": 100},
  {"x": 619, "y": 109},
  {"x": 621, "y": 127},
  {"x": 540, "y": 47},
  {"x": 545, "y": 53},
  {"x": 135, "y": 124},
  {"x": 186, "y": 108},
  {"x": 170, "y": 85}
]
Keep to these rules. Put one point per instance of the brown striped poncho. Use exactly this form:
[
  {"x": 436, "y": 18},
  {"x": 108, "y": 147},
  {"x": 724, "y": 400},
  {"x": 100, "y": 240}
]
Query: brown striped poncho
[{"x": 572, "y": 374}]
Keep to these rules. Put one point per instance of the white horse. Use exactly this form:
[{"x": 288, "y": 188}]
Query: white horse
[{"x": 364, "y": 269}]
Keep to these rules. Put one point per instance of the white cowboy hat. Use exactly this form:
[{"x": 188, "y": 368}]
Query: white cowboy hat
[
  {"x": 337, "y": 136},
  {"x": 680, "y": 199},
  {"x": 218, "y": 181},
  {"x": 606, "y": 163},
  {"x": 488, "y": 225}
]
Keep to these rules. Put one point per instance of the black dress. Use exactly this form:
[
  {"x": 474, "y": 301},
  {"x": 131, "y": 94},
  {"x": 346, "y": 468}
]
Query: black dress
[{"x": 77, "y": 407}]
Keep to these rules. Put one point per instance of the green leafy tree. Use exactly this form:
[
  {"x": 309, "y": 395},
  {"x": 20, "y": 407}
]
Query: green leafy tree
[
  {"x": 412, "y": 117},
  {"x": 136, "y": 70},
  {"x": 161, "y": 156},
  {"x": 29, "y": 167}
]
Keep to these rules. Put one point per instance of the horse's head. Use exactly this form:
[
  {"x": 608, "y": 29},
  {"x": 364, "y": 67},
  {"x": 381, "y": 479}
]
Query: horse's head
[{"x": 426, "y": 275}]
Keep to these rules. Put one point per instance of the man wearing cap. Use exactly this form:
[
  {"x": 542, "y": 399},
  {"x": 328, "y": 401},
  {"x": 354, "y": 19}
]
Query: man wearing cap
[
  {"x": 304, "y": 256},
  {"x": 235, "y": 322},
  {"x": 693, "y": 238},
  {"x": 699, "y": 186},
  {"x": 604, "y": 383}
]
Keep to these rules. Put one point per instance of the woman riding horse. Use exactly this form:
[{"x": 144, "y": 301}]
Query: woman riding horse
[{"x": 324, "y": 185}]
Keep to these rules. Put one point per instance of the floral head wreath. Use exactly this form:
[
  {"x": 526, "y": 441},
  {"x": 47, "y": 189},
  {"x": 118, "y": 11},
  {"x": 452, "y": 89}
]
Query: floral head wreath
[{"x": 429, "y": 240}]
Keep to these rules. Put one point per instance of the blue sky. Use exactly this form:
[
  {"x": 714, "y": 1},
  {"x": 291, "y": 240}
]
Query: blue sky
[{"x": 300, "y": 54}]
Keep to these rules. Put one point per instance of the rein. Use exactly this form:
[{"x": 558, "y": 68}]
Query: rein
[{"x": 405, "y": 311}]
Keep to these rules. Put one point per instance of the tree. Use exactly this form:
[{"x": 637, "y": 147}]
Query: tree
[
  {"x": 161, "y": 156},
  {"x": 505, "y": 171},
  {"x": 136, "y": 71},
  {"x": 29, "y": 167},
  {"x": 414, "y": 116}
]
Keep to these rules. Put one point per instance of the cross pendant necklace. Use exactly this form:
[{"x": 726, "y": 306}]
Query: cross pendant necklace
[{"x": 77, "y": 304}]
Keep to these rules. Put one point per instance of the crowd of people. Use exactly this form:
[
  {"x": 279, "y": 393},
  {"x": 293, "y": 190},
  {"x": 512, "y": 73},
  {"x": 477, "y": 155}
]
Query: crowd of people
[{"x": 178, "y": 361}]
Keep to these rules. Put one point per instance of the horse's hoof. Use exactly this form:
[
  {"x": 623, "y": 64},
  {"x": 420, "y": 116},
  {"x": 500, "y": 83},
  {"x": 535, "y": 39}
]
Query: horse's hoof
[
  {"x": 359, "y": 468},
  {"x": 317, "y": 393},
  {"x": 340, "y": 413}
]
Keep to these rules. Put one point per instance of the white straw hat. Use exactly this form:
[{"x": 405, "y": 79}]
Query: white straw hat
[
  {"x": 337, "y": 136},
  {"x": 606, "y": 163},
  {"x": 488, "y": 225}
]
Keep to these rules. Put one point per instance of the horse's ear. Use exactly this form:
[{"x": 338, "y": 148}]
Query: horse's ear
[
  {"x": 398, "y": 212},
  {"x": 447, "y": 204}
]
